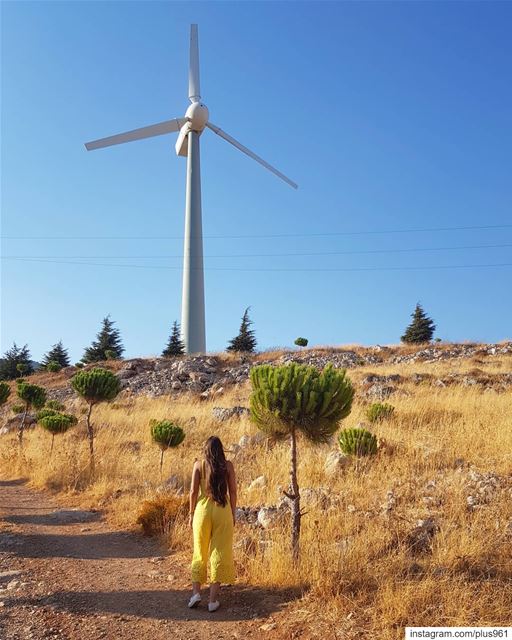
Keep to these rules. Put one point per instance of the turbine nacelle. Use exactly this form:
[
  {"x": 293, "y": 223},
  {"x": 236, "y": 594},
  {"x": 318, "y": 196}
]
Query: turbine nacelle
[
  {"x": 197, "y": 114},
  {"x": 196, "y": 118}
]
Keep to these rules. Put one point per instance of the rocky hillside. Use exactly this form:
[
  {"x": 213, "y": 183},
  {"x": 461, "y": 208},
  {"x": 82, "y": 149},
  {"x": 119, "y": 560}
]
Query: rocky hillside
[{"x": 209, "y": 376}]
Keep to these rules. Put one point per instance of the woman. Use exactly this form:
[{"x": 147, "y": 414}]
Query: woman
[{"x": 212, "y": 517}]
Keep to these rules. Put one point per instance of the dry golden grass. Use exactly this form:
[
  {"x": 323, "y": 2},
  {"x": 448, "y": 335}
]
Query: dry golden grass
[
  {"x": 357, "y": 561},
  {"x": 164, "y": 517}
]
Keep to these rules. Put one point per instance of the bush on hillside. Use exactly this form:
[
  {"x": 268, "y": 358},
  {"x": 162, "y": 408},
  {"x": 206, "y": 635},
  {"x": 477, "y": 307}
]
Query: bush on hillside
[
  {"x": 45, "y": 412},
  {"x": 379, "y": 411},
  {"x": 358, "y": 442},
  {"x": 55, "y": 405},
  {"x": 5, "y": 392},
  {"x": 158, "y": 517}
]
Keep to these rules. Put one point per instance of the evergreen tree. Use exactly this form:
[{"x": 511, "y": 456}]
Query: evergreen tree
[
  {"x": 95, "y": 386},
  {"x": 421, "y": 328},
  {"x": 56, "y": 354},
  {"x": 107, "y": 340},
  {"x": 245, "y": 340},
  {"x": 32, "y": 396},
  {"x": 12, "y": 358},
  {"x": 166, "y": 435},
  {"x": 56, "y": 423},
  {"x": 175, "y": 346},
  {"x": 293, "y": 399}
]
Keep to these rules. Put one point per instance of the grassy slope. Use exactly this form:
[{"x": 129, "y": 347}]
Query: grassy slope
[{"x": 354, "y": 557}]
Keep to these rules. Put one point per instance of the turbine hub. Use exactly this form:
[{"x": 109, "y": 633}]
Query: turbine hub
[{"x": 198, "y": 115}]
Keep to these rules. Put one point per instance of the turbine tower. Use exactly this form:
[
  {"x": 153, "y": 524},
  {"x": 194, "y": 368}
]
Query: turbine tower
[{"x": 190, "y": 128}]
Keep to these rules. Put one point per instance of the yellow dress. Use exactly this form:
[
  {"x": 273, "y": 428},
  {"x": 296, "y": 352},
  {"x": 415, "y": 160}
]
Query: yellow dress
[{"x": 212, "y": 527}]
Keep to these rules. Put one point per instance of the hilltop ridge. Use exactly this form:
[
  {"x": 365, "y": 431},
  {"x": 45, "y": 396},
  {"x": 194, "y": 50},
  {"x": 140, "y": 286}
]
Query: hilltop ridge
[{"x": 211, "y": 375}]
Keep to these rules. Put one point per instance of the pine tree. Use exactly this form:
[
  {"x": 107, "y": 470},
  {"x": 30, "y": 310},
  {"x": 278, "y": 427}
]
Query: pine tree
[
  {"x": 175, "y": 345},
  {"x": 245, "y": 340},
  {"x": 293, "y": 399},
  {"x": 95, "y": 386},
  {"x": 421, "y": 328},
  {"x": 56, "y": 423},
  {"x": 57, "y": 354},
  {"x": 166, "y": 435},
  {"x": 32, "y": 396},
  {"x": 12, "y": 358},
  {"x": 107, "y": 340}
]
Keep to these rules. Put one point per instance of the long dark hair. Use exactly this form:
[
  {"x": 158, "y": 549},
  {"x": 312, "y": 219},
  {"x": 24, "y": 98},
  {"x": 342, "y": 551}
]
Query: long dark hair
[{"x": 216, "y": 470}]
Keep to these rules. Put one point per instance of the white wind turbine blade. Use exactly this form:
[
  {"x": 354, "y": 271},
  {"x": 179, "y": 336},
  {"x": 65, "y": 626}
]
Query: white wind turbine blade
[
  {"x": 169, "y": 126},
  {"x": 252, "y": 155},
  {"x": 194, "y": 90}
]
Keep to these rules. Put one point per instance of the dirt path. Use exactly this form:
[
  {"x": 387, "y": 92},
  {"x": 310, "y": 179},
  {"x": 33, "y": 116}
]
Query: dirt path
[{"x": 66, "y": 575}]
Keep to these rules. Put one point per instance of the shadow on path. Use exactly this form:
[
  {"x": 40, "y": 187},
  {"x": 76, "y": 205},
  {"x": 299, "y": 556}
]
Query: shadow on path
[
  {"x": 170, "y": 604},
  {"x": 13, "y": 483},
  {"x": 92, "y": 546},
  {"x": 58, "y": 518}
]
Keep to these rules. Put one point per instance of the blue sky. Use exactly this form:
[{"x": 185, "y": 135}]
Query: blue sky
[{"x": 390, "y": 116}]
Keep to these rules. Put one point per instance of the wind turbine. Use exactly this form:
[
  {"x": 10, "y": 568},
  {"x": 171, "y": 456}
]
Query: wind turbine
[{"x": 190, "y": 128}]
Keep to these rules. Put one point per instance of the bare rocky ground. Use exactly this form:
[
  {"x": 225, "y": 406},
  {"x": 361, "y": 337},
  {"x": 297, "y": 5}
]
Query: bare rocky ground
[
  {"x": 66, "y": 575},
  {"x": 210, "y": 376}
]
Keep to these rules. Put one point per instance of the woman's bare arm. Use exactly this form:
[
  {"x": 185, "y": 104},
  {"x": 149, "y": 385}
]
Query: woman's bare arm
[
  {"x": 194, "y": 490},
  {"x": 232, "y": 488}
]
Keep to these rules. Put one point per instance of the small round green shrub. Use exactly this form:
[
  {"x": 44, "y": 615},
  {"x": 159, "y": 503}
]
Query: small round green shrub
[
  {"x": 379, "y": 411},
  {"x": 79, "y": 365},
  {"x": 53, "y": 367},
  {"x": 296, "y": 396},
  {"x": 17, "y": 408},
  {"x": 58, "y": 422},
  {"x": 45, "y": 412},
  {"x": 166, "y": 434},
  {"x": 357, "y": 442},
  {"x": 96, "y": 385},
  {"x": 31, "y": 394},
  {"x": 33, "y": 397},
  {"x": 301, "y": 342},
  {"x": 5, "y": 392},
  {"x": 55, "y": 405}
]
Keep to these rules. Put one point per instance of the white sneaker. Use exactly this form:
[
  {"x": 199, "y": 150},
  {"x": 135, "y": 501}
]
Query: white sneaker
[
  {"x": 194, "y": 600},
  {"x": 213, "y": 606}
]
